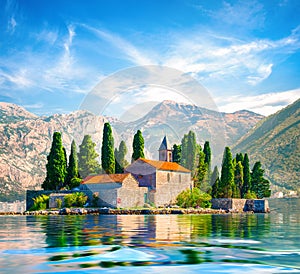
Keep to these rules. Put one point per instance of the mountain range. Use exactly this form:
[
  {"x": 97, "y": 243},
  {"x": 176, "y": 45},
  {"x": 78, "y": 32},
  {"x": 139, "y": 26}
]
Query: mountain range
[
  {"x": 25, "y": 139},
  {"x": 275, "y": 141}
]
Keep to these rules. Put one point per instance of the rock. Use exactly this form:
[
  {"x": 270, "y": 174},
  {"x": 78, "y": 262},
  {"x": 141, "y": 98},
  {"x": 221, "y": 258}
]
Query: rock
[{"x": 65, "y": 211}]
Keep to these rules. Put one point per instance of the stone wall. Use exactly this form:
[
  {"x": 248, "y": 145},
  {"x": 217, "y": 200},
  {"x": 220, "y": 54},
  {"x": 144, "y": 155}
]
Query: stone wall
[
  {"x": 241, "y": 205},
  {"x": 168, "y": 185},
  {"x": 144, "y": 173}
]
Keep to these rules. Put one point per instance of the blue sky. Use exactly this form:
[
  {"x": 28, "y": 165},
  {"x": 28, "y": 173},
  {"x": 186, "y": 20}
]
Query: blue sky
[{"x": 245, "y": 53}]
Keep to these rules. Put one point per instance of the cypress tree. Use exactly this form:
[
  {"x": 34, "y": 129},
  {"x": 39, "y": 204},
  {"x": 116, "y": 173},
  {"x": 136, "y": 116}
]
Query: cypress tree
[
  {"x": 72, "y": 169},
  {"x": 56, "y": 165},
  {"x": 214, "y": 182},
  {"x": 120, "y": 155},
  {"x": 238, "y": 179},
  {"x": 107, "y": 150},
  {"x": 207, "y": 152},
  {"x": 176, "y": 156},
  {"x": 227, "y": 175},
  {"x": 247, "y": 176},
  {"x": 184, "y": 150},
  {"x": 189, "y": 151},
  {"x": 239, "y": 157},
  {"x": 138, "y": 146},
  {"x": 260, "y": 186},
  {"x": 201, "y": 174},
  {"x": 87, "y": 163}
]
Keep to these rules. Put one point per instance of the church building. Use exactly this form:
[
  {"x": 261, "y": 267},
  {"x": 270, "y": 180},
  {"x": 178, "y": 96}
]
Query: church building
[{"x": 144, "y": 181}]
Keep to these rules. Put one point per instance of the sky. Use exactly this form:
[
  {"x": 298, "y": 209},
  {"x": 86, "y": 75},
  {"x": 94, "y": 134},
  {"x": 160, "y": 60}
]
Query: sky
[{"x": 246, "y": 54}]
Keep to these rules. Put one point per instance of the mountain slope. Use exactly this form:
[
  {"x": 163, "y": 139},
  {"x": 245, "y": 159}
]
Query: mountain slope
[
  {"x": 25, "y": 139},
  {"x": 176, "y": 119},
  {"x": 275, "y": 141}
]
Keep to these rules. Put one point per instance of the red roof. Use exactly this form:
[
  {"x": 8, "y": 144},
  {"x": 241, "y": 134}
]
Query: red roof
[
  {"x": 105, "y": 178},
  {"x": 162, "y": 165}
]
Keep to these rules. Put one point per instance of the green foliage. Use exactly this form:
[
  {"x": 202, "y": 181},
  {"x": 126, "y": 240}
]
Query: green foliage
[
  {"x": 239, "y": 157},
  {"x": 193, "y": 198},
  {"x": 207, "y": 152},
  {"x": 59, "y": 203},
  {"x": 247, "y": 176},
  {"x": 238, "y": 179},
  {"x": 176, "y": 154},
  {"x": 260, "y": 186},
  {"x": 189, "y": 151},
  {"x": 40, "y": 202},
  {"x": 107, "y": 150},
  {"x": 227, "y": 175},
  {"x": 120, "y": 155},
  {"x": 201, "y": 173},
  {"x": 214, "y": 182},
  {"x": 250, "y": 195},
  {"x": 75, "y": 182},
  {"x": 75, "y": 199},
  {"x": 138, "y": 146},
  {"x": 72, "y": 169},
  {"x": 87, "y": 163},
  {"x": 56, "y": 165},
  {"x": 275, "y": 142}
]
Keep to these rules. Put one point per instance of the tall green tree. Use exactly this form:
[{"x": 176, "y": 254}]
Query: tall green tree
[
  {"x": 214, "y": 182},
  {"x": 201, "y": 174},
  {"x": 56, "y": 165},
  {"x": 189, "y": 151},
  {"x": 87, "y": 158},
  {"x": 184, "y": 150},
  {"x": 176, "y": 156},
  {"x": 260, "y": 185},
  {"x": 227, "y": 175},
  {"x": 207, "y": 152},
  {"x": 138, "y": 146},
  {"x": 238, "y": 179},
  {"x": 120, "y": 155},
  {"x": 247, "y": 176},
  {"x": 239, "y": 157},
  {"x": 72, "y": 169},
  {"x": 107, "y": 150}
]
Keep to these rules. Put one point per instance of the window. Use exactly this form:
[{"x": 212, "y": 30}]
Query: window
[
  {"x": 168, "y": 176},
  {"x": 179, "y": 178}
]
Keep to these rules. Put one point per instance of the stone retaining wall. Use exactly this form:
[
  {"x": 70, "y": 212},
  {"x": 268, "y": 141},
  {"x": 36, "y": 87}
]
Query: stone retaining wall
[{"x": 241, "y": 205}]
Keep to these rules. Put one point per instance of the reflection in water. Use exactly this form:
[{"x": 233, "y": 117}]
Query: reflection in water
[
  {"x": 52, "y": 243},
  {"x": 62, "y": 231}
]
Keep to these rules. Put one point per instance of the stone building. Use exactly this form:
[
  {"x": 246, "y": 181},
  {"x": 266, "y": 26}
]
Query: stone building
[
  {"x": 115, "y": 190},
  {"x": 164, "y": 180}
]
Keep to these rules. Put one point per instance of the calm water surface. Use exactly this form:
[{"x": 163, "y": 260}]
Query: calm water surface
[{"x": 233, "y": 243}]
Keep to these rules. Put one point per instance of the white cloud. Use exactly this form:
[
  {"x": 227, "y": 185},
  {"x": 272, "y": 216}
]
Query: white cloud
[
  {"x": 132, "y": 53},
  {"x": 19, "y": 78},
  {"x": 12, "y": 23},
  {"x": 264, "y": 104}
]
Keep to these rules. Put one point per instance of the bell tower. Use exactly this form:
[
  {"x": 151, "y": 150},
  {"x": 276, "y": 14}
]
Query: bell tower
[{"x": 165, "y": 151}]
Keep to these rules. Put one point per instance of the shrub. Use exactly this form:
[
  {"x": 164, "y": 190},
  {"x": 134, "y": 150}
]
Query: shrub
[
  {"x": 75, "y": 182},
  {"x": 58, "y": 203},
  {"x": 75, "y": 199},
  {"x": 40, "y": 202},
  {"x": 250, "y": 195},
  {"x": 193, "y": 198}
]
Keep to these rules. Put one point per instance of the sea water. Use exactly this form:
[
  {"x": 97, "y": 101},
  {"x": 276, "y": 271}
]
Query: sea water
[{"x": 225, "y": 243}]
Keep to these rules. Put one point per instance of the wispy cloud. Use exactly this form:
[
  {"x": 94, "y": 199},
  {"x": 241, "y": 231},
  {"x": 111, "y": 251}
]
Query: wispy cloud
[
  {"x": 264, "y": 104},
  {"x": 132, "y": 53}
]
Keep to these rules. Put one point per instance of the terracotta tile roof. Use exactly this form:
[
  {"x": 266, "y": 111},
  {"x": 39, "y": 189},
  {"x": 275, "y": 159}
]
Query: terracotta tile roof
[
  {"x": 105, "y": 178},
  {"x": 161, "y": 165}
]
